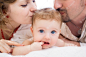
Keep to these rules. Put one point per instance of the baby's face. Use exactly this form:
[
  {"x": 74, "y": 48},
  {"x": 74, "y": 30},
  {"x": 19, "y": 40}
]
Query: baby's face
[{"x": 46, "y": 31}]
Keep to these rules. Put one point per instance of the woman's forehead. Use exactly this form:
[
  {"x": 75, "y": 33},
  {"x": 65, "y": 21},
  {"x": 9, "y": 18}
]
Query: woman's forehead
[
  {"x": 24, "y": 0},
  {"x": 21, "y": 1}
]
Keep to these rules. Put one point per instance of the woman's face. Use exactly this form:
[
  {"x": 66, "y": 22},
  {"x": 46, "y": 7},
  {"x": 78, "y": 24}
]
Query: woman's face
[{"x": 21, "y": 11}]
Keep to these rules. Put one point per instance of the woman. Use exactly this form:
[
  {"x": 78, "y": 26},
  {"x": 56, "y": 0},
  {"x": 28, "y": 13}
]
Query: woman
[{"x": 13, "y": 13}]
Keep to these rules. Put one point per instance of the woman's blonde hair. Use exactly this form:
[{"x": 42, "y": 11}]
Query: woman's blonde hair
[
  {"x": 4, "y": 4},
  {"x": 3, "y": 9},
  {"x": 47, "y": 14}
]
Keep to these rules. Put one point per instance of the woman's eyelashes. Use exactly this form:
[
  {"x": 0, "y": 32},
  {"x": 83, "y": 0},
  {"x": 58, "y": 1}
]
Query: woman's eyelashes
[
  {"x": 53, "y": 32},
  {"x": 27, "y": 3},
  {"x": 24, "y": 5}
]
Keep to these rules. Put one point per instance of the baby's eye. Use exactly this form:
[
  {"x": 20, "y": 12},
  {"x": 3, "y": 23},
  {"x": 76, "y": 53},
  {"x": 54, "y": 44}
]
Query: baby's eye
[
  {"x": 24, "y": 5},
  {"x": 41, "y": 31},
  {"x": 33, "y": 0},
  {"x": 53, "y": 32}
]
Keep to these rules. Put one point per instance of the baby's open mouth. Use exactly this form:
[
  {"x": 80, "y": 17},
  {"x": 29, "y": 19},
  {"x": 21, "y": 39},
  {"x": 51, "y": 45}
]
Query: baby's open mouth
[{"x": 46, "y": 42}]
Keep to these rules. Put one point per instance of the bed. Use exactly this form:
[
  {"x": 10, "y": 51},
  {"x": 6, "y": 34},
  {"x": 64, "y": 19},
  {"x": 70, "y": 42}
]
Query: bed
[{"x": 54, "y": 52}]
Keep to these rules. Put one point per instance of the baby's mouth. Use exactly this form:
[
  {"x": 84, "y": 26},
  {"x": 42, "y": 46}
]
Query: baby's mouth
[{"x": 46, "y": 43}]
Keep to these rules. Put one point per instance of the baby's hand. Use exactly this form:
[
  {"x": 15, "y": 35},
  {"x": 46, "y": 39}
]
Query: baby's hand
[{"x": 36, "y": 46}]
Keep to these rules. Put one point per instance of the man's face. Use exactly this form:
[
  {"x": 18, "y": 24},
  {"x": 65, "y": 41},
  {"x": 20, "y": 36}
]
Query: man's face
[{"x": 69, "y": 9}]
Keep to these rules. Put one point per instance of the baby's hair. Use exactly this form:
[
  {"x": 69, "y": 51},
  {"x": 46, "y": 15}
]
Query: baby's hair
[{"x": 47, "y": 14}]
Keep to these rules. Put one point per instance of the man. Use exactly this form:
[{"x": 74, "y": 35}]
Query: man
[{"x": 74, "y": 16}]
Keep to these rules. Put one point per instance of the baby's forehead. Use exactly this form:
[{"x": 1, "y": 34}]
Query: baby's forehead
[
  {"x": 47, "y": 24},
  {"x": 47, "y": 21}
]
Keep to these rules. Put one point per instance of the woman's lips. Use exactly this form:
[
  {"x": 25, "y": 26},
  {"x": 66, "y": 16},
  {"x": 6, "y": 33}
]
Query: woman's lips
[{"x": 31, "y": 16}]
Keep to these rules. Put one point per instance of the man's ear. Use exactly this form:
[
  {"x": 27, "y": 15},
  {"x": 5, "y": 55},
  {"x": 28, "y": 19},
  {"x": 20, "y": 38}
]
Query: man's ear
[{"x": 31, "y": 29}]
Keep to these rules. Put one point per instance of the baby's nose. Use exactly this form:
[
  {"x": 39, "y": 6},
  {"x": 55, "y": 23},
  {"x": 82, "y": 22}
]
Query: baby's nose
[{"x": 47, "y": 36}]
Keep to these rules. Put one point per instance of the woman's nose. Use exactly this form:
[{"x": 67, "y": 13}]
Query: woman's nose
[
  {"x": 57, "y": 4},
  {"x": 33, "y": 8}
]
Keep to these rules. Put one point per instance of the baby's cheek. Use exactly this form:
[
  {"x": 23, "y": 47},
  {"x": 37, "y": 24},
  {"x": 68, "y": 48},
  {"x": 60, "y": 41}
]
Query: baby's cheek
[
  {"x": 54, "y": 42},
  {"x": 36, "y": 39}
]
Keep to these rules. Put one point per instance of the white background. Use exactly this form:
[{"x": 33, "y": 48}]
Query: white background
[{"x": 44, "y": 3}]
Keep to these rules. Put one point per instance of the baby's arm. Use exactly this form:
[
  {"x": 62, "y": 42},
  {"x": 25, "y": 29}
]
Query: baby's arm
[
  {"x": 23, "y": 50},
  {"x": 28, "y": 42},
  {"x": 65, "y": 42},
  {"x": 60, "y": 43},
  {"x": 70, "y": 44}
]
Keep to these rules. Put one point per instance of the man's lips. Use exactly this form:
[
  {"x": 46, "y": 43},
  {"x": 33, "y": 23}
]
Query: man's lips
[{"x": 62, "y": 13}]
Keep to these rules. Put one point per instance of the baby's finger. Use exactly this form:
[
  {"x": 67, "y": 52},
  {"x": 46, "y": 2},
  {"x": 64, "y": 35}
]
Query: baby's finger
[{"x": 41, "y": 43}]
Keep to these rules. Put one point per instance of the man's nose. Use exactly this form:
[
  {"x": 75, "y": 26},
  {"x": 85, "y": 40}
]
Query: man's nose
[{"x": 57, "y": 4}]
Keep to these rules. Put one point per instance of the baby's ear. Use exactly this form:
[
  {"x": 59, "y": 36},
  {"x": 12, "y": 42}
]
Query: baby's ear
[
  {"x": 31, "y": 29},
  {"x": 60, "y": 31}
]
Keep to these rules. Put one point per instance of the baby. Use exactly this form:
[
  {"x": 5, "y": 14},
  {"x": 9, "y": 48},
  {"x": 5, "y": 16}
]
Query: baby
[{"x": 46, "y": 27}]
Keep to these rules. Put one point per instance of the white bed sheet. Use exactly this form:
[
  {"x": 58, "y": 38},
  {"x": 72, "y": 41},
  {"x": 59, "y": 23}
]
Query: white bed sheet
[{"x": 54, "y": 52}]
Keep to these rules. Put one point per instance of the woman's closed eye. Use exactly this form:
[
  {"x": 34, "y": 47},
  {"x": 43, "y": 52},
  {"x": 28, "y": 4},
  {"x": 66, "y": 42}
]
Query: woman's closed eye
[
  {"x": 24, "y": 5},
  {"x": 27, "y": 3},
  {"x": 53, "y": 32},
  {"x": 41, "y": 31}
]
